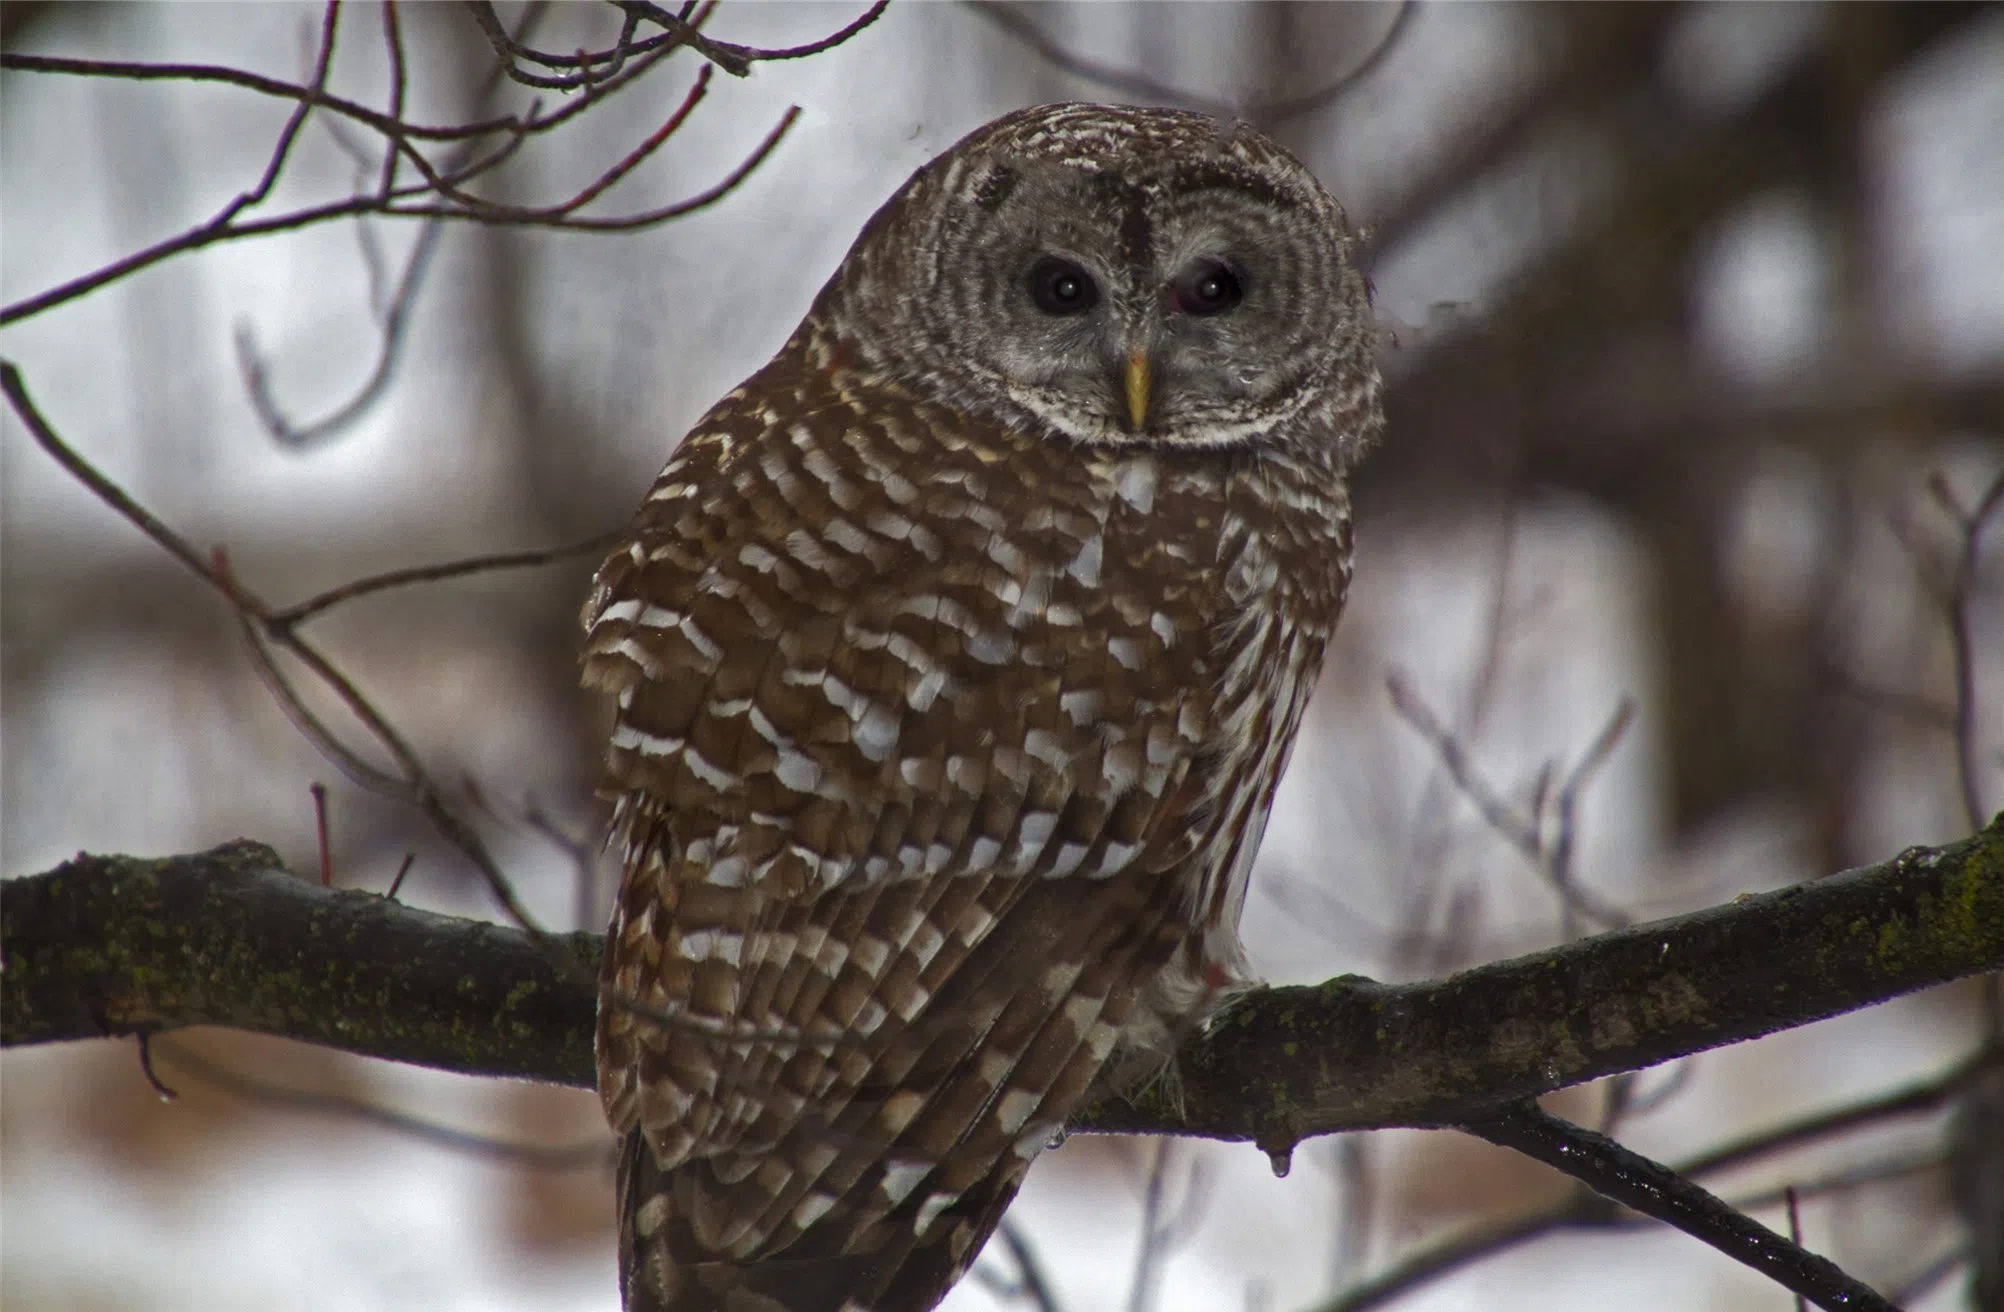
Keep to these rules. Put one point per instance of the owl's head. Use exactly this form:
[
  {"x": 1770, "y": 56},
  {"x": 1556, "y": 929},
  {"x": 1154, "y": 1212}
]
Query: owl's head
[{"x": 1118, "y": 275}]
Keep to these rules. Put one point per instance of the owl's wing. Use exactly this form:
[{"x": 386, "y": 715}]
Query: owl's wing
[{"x": 903, "y": 763}]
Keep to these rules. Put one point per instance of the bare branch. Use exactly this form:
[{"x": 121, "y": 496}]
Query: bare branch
[
  {"x": 121, "y": 946},
  {"x": 445, "y": 183},
  {"x": 224, "y": 220},
  {"x": 592, "y": 67},
  {"x": 114, "y": 496},
  {"x": 396, "y": 309},
  {"x": 1587, "y": 1210},
  {"x": 1621, "y": 1000},
  {"x": 1165, "y": 1224},
  {"x": 597, "y": 1153},
  {"x": 412, "y": 784},
  {"x": 755, "y": 55},
  {"x": 563, "y": 217},
  {"x": 1521, "y": 830},
  {"x": 1036, "y": 1286},
  {"x": 1132, "y": 82},
  {"x": 1923, "y": 1282},
  {"x": 283, "y": 150},
  {"x": 270, "y": 86},
  {"x": 367, "y": 585},
  {"x": 209, "y": 234},
  {"x": 114, "y": 945},
  {"x": 393, "y": 41},
  {"x": 244, "y": 942},
  {"x": 1629, "y": 1178},
  {"x": 1961, "y": 590},
  {"x": 396, "y": 319}
]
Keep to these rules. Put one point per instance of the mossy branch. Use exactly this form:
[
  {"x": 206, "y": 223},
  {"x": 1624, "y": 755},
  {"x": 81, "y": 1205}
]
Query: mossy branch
[
  {"x": 116, "y": 945},
  {"x": 122, "y": 945}
]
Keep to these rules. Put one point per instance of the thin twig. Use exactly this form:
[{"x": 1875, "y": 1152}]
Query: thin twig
[
  {"x": 396, "y": 320},
  {"x": 755, "y": 55},
  {"x": 290, "y": 133},
  {"x": 1031, "y": 1280},
  {"x": 127, "y": 70},
  {"x": 1641, "y": 1104},
  {"x": 1922, "y": 1282},
  {"x": 1149, "y": 1252},
  {"x": 1917, "y": 707},
  {"x": 1916, "y": 1099},
  {"x": 196, "y": 238},
  {"x": 393, "y": 310},
  {"x": 444, "y": 185},
  {"x": 403, "y": 869},
  {"x": 1586, "y": 1209},
  {"x": 1795, "y": 1237},
  {"x": 1897, "y": 1167},
  {"x": 414, "y": 785},
  {"x": 1133, "y": 82},
  {"x": 597, "y": 1153},
  {"x": 209, "y": 234},
  {"x": 97, "y": 484},
  {"x": 1552, "y": 859},
  {"x": 587, "y": 77},
  {"x": 310, "y": 726},
  {"x": 1165, "y": 1224},
  {"x": 160, "y": 1087},
  {"x": 411, "y": 784},
  {"x": 581, "y": 851},
  {"x": 1441, "y": 1260},
  {"x": 1961, "y": 590},
  {"x": 393, "y": 42},
  {"x": 288, "y": 617},
  {"x": 734, "y": 59},
  {"x": 319, "y": 792},
  {"x": 561, "y": 216},
  {"x": 1565, "y": 807},
  {"x": 387, "y": 198},
  {"x": 1627, "y": 1177}
]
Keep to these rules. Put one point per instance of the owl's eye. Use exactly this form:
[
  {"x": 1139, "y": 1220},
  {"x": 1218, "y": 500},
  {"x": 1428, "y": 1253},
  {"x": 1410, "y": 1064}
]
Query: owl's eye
[
  {"x": 1207, "y": 287},
  {"x": 1061, "y": 287}
]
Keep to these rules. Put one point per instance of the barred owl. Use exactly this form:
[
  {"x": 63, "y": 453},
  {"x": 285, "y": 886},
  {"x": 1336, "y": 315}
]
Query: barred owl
[{"x": 956, "y": 656}]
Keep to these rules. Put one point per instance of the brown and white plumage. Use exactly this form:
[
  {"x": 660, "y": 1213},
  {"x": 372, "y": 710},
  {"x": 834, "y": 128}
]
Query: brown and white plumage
[{"x": 952, "y": 695}]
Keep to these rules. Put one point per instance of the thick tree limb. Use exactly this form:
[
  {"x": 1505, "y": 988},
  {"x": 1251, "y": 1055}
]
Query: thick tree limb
[
  {"x": 120, "y": 946},
  {"x": 1354, "y": 1054}
]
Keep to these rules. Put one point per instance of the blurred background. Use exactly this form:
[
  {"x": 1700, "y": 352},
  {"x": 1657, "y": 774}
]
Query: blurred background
[{"x": 1693, "y": 319}]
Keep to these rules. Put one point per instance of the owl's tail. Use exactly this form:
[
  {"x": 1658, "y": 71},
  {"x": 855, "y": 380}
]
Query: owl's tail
[{"x": 895, "y": 1264}]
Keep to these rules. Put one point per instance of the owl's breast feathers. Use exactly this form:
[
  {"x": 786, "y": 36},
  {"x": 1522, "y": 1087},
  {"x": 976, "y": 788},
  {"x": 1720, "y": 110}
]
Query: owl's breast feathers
[{"x": 935, "y": 743}]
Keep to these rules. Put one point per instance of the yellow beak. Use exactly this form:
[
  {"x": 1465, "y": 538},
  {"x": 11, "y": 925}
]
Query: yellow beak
[{"x": 1137, "y": 388}]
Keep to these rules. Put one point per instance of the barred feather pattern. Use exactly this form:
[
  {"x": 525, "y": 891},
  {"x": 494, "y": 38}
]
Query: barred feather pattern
[{"x": 941, "y": 752}]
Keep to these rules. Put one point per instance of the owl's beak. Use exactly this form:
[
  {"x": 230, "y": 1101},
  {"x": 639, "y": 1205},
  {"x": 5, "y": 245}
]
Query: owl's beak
[{"x": 1138, "y": 377}]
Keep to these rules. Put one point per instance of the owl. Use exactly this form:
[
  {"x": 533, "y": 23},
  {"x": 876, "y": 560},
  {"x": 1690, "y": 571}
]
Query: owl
[{"x": 956, "y": 658}]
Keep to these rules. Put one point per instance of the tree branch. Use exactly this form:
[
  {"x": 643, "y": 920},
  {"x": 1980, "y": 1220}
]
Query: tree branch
[
  {"x": 1351, "y": 1053},
  {"x": 1583, "y": 1210},
  {"x": 118, "y": 946},
  {"x": 1616, "y": 1173},
  {"x": 121, "y": 946}
]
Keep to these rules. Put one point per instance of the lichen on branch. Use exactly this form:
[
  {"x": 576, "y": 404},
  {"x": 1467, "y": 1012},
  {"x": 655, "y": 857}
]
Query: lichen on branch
[{"x": 108, "y": 946}]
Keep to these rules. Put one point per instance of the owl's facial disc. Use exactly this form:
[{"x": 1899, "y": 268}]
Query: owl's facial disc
[
  {"x": 1115, "y": 276},
  {"x": 1176, "y": 304}
]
